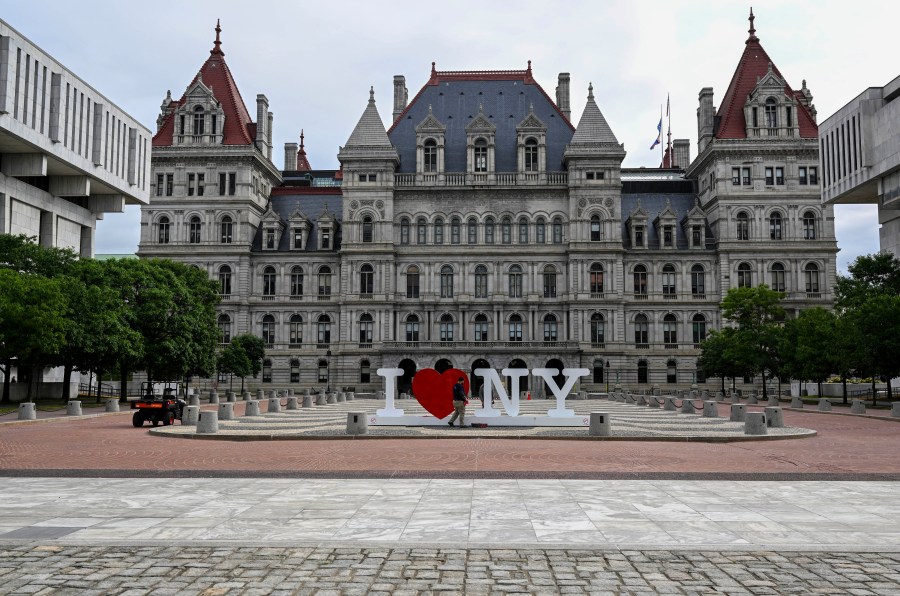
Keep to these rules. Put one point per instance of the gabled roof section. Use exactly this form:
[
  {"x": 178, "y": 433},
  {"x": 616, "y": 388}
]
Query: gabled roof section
[
  {"x": 239, "y": 129},
  {"x": 369, "y": 131},
  {"x": 752, "y": 67},
  {"x": 593, "y": 128}
]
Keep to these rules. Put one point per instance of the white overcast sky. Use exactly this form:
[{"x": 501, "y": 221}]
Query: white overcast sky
[{"x": 316, "y": 60}]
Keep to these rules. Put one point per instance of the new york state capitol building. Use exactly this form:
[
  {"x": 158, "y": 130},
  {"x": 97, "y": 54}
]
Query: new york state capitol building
[{"x": 483, "y": 228}]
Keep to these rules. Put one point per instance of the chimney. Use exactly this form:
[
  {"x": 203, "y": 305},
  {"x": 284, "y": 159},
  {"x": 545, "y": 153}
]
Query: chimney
[
  {"x": 290, "y": 157},
  {"x": 262, "y": 118},
  {"x": 705, "y": 115},
  {"x": 681, "y": 148},
  {"x": 401, "y": 95},
  {"x": 562, "y": 95},
  {"x": 269, "y": 136}
]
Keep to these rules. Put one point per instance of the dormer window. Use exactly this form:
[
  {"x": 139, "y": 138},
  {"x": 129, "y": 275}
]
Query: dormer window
[
  {"x": 771, "y": 113},
  {"x": 270, "y": 238},
  {"x": 298, "y": 238},
  {"x": 481, "y": 156},
  {"x": 696, "y": 236},
  {"x": 430, "y": 156},
  {"x": 531, "y": 155},
  {"x": 326, "y": 239},
  {"x": 639, "y": 235},
  {"x": 668, "y": 236},
  {"x": 199, "y": 120}
]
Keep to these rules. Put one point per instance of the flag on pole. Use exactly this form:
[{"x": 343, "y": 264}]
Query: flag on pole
[{"x": 658, "y": 135}]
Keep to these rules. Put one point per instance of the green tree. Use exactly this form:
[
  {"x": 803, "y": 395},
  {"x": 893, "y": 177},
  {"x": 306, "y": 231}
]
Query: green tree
[
  {"x": 878, "y": 323},
  {"x": 870, "y": 275},
  {"x": 713, "y": 360},
  {"x": 22, "y": 254},
  {"x": 255, "y": 349},
  {"x": 810, "y": 345},
  {"x": 233, "y": 360}
]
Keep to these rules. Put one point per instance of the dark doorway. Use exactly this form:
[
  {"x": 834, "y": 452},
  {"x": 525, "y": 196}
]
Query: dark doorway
[
  {"x": 404, "y": 383},
  {"x": 476, "y": 382},
  {"x": 523, "y": 381},
  {"x": 558, "y": 377},
  {"x": 443, "y": 365}
]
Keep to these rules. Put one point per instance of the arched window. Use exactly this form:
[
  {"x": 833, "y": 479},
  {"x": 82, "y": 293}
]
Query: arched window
[
  {"x": 549, "y": 281},
  {"x": 367, "y": 229},
  {"x": 778, "y": 277},
  {"x": 295, "y": 370},
  {"x": 268, "y": 330},
  {"x": 515, "y": 328},
  {"x": 267, "y": 371},
  {"x": 775, "y": 226},
  {"x": 531, "y": 155},
  {"x": 412, "y": 282},
  {"x": 698, "y": 329},
  {"x": 641, "y": 330},
  {"x": 366, "y": 330},
  {"x": 296, "y": 330},
  {"x": 430, "y": 156},
  {"x": 296, "y": 281},
  {"x": 472, "y": 231},
  {"x": 404, "y": 231},
  {"x": 365, "y": 372},
  {"x": 481, "y": 155},
  {"x": 809, "y": 225},
  {"x": 640, "y": 280},
  {"x": 811, "y": 272},
  {"x": 446, "y": 328},
  {"x": 515, "y": 281},
  {"x": 598, "y": 330},
  {"x": 540, "y": 231},
  {"x": 481, "y": 328},
  {"x": 481, "y": 281},
  {"x": 227, "y": 230},
  {"x": 595, "y": 228},
  {"x": 412, "y": 328},
  {"x": 225, "y": 280},
  {"x": 745, "y": 278},
  {"x": 439, "y": 231},
  {"x": 421, "y": 231},
  {"x": 671, "y": 371},
  {"x": 454, "y": 230},
  {"x": 199, "y": 120},
  {"x": 323, "y": 331},
  {"x": 194, "y": 230},
  {"x": 550, "y": 328},
  {"x": 366, "y": 280},
  {"x": 164, "y": 230},
  {"x": 557, "y": 230},
  {"x": 642, "y": 371},
  {"x": 598, "y": 371},
  {"x": 670, "y": 331},
  {"x": 596, "y": 279},
  {"x": 224, "y": 323},
  {"x": 771, "y": 113},
  {"x": 698, "y": 281},
  {"x": 523, "y": 230},
  {"x": 269, "y": 277},
  {"x": 489, "y": 230},
  {"x": 446, "y": 281},
  {"x": 506, "y": 230},
  {"x": 668, "y": 281},
  {"x": 743, "y": 226},
  {"x": 324, "y": 282}
]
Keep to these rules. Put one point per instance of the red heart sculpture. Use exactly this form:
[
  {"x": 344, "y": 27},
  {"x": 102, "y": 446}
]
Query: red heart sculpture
[{"x": 434, "y": 391}]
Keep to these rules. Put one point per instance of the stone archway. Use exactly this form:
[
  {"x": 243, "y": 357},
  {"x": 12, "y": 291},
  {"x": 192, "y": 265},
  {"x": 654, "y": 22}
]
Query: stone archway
[
  {"x": 476, "y": 382},
  {"x": 443, "y": 365},
  {"x": 404, "y": 382},
  {"x": 558, "y": 378},
  {"x": 523, "y": 381}
]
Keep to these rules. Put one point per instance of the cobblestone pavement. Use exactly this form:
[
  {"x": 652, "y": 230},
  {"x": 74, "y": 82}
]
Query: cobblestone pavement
[{"x": 220, "y": 571}]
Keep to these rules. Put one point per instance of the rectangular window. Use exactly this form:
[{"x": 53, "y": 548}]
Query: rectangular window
[
  {"x": 668, "y": 236},
  {"x": 298, "y": 238},
  {"x": 362, "y": 177},
  {"x": 814, "y": 175},
  {"x": 589, "y": 175},
  {"x": 160, "y": 178},
  {"x": 201, "y": 180},
  {"x": 222, "y": 184},
  {"x": 639, "y": 235},
  {"x": 801, "y": 175},
  {"x": 755, "y": 120},
  {"x": 170, "y": 184},
  {"x": 736, "y": 176},
  {"x": 190, "y": 188},
  {"x": 746, "y": 176},
  {"x": 770, "y": 176},
  {"x": 790, "y": 117},
  {"x": 779, "y": 176},
  {"x": 696, "y": 236},
  {"x": 232, "y": 183}
]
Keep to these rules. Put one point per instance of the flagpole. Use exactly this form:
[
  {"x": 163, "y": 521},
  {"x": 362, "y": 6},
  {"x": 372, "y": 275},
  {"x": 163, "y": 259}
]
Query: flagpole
[
  {"x": 669, "y": 142},
  {"x": 662, "y": 149}
]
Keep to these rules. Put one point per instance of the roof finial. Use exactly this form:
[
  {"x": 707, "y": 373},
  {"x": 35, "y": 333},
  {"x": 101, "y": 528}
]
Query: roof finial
[
  {"x": 301, "y": 139},
  {"x": 430, "y": 113},
  {"x": 217, "y": 45},
  {"x": 372, "y": 94},
  {"x": 433, "y": 69},
  {"x": 590, "y": 91},
  {"x": 752, "y": 29},
  {"x": 529, "y": 68}
]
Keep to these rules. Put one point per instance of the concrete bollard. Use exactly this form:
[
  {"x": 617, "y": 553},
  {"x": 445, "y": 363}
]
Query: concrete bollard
[
  {"x": 600, "y": 425},
  {"x": 230, "y": 397},
  {"x": 630, "y": 399},
  {"x": 274, "y": 405},
  {"x": 273, "y": 394},
  {"x": 824, "y": 405},
  {"x": 404, "y": 396},
  {"x": 797, "y": 402},
  {"x": 773, "y": 401},
  {"x": 755, "y": 424},
  {"x": 735, "y": 399},
  {"x": 341, "y": 397},
  {"x": 774, "y": 417},
  {"x": 292, "y": 403},
  {"x": 307, "y": 401},
  {"x": 213, "y": 397},
  {"x": 895, "y": 410},
  {"x": 252, "y": 408},
  {"x": 285, "y": 393},
  {"x": 641, "y": 400},
  {"x": 710, "y": 409},
  {"x": 320, "y": 400},
  {"x": 653, "y": 402},
  {"x": 720, "y": 396},
  {"x": 112, "y": 405},
  {"x": 705, "y": 395},
  {"x": 194, "y": 400},
  {"x": 357, "y": 423},
  {"x": 208, "y": 423},
  {"x": 669, "y": 404},
  {"x": 331, "y": 399},
  {"x": 752, "y": 400},
  {"x": 857, "y": 407},
  {"x": 73, "y": 408},
  {"x": 738, "y": 412},
  {"x": 226, "y": 411},
  {"x": 247, "y": 396},
  {"x": 351, "y": 395},
  {"x": 26, "y": 411},
  {"x": 190, "y": 416},
  {"x": 260, "y": 395},
  {"x": 582, "y": 395},
  {"x": 687, "y": 406},
  {"x": 379, "y": 395}
]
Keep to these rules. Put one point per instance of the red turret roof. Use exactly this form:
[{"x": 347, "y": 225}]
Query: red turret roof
[
  {"x": 302, "y": 162},
  {"x": 239, "y": 129},
  {"x": 753, "y": 65}
]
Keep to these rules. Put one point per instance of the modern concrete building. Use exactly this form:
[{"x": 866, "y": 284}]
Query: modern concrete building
[
  {"x": 483, "y": 228},
  {"x": 67, "y": 153},
  {"x": 860, "y": 157}
]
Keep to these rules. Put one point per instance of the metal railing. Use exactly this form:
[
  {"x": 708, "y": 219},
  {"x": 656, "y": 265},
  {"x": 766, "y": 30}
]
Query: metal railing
[{"x": 482, "y": 179}]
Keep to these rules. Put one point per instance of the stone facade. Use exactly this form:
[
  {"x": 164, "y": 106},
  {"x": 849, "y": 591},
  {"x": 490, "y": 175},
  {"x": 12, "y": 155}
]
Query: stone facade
[{"x": 483, "y": 229}]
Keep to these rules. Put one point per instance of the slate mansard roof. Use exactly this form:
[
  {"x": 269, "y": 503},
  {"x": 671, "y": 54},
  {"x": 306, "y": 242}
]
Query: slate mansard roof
[
  {"x": 506, "y": 98},
  {"x": 312, "y": 203}
]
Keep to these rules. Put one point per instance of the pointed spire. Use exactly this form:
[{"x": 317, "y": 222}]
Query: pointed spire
[
  {"x": 590, "y": 91},
  {"x": 752, "y": 29},
  {"x": 593, "y": 128},
  {"x": 301, "y": 139},
  {"x": 369, "y": 131},
  {"x": 217, "y": 45}
]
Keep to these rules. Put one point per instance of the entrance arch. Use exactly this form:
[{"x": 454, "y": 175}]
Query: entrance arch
[
  {"x": 404, "y": 383},
  {"x": 476, "y": 382},
  {"x": 443, "y": 365},
  {"x": 523, "y": 381},
  {"x": 558, "y": 378}
]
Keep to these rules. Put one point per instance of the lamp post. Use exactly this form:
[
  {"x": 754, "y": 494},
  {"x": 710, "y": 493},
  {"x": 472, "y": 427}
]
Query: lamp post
[
  {"x": 606, "y": 373},
  {"x": 618, "y": 385},
  {"x": 328, "y": 371}
]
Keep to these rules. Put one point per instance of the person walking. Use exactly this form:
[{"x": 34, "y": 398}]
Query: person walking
[{"x": 459, "y": 403}]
